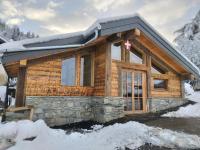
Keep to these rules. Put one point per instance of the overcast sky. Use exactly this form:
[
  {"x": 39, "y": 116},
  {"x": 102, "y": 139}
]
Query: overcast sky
[{"x": 49, "y": 17}]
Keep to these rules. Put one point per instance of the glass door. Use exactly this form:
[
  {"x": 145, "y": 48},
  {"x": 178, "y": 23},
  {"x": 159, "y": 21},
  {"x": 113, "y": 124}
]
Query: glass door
[
  {"x": 134, "y": 90},
  {"x": 127, "y": 89}
]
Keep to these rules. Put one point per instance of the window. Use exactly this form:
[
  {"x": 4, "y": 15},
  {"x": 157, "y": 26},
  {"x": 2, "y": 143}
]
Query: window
[
  {"x": 68, "y": 72},
  {"x": 156, "y": 69},
  {"x": 85, "y": 70},
  {"x": 160, "y": 84},
  {"x": 116, "y": 51},
  {"x": 135, "y": 57}
]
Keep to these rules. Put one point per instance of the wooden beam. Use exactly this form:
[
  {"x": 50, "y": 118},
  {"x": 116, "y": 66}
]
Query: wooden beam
[
  {"x": 133, "y": 34},
  {"x": 23, "y": 63},
  {"x": 148, "y": 63},
  {"x": 20, "y": 92},
  {"x": 78, "y": 69},
  {"x": 108, "y": 70}
]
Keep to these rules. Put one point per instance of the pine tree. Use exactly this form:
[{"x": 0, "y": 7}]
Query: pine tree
[{"x": 14, "y": 33}]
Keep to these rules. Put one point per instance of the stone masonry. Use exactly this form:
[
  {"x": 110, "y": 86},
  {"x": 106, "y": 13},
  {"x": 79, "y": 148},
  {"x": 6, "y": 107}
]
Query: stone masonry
[
  {"x": 61, "y": 110},
  {"x": 157, "y": 104}
]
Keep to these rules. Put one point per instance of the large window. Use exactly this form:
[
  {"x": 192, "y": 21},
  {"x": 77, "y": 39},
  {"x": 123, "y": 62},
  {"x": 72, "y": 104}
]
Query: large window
[
  {"x": 68, "y": 72},
  {"x": 116, "y": 51},
  {"x": 135, "y": 57},
  {"x": 85, "y": 70},
  {"x": 157, "y": 69},
  {"x": 160, "y": 84}
]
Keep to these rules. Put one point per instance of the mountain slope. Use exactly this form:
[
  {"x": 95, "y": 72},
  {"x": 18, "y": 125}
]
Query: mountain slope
[
  {"x": 14, "y": 33},
  {"x": 188, "y": 40}
]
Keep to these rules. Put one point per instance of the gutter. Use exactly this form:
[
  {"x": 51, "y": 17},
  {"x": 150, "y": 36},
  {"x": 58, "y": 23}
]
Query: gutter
[{"x": 96, "y": 31}]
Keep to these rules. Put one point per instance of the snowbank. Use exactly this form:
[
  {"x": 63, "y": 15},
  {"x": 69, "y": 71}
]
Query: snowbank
[
  {"x": 3, "y": 76},
  {"x": 2, "y": 92},
  {"x": 131, "y": 134},
  {"x": 188, "y": 89},
  {"x": 188, "y": 111}
]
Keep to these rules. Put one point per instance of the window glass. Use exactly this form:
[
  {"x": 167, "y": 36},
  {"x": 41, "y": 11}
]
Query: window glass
[
  {"x": 135, "y": 57},
  {"x": 156, "y": 69},
  {"x": 68, "y": 72},
  {"x": 85, "y": 70},
  {"x": 160, "y": 84},
  {"x": 116, "y": 52}
]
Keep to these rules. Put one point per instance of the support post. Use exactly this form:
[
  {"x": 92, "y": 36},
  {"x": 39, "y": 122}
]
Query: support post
[
  {"x": 108, "y": 70},
  {"x": 20, "y": 92}
]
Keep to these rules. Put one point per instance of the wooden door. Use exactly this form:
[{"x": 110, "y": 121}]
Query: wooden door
[{"x": 134, "y": 91}]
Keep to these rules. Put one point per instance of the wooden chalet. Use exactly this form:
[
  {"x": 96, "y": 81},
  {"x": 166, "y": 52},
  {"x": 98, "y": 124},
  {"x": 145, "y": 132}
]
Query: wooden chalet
[{"x": 118, "y": 66}]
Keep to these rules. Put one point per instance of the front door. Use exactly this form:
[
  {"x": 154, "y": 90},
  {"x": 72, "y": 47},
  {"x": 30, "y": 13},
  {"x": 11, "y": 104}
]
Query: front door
[{"x": 134, "y": 90}]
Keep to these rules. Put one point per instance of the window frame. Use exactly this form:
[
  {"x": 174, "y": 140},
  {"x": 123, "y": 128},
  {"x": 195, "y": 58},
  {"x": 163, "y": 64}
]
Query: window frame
[
  {"x": 121, "y": 49},
  {"x": 137, "y": 51},
  {"x": 75, "y": 72},
  {"x": 92, "y": 69},
  {"x": 161, "y": 89},
  {"x": 78, "y": 69}
]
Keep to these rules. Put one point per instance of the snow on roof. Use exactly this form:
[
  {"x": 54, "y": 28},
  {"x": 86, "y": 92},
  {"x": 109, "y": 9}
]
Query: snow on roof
[{"x": 20, "y": 45}]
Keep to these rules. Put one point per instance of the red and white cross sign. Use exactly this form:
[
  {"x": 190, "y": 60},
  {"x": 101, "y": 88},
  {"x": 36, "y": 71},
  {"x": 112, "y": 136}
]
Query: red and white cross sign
[{"x": 128, "y": 45}]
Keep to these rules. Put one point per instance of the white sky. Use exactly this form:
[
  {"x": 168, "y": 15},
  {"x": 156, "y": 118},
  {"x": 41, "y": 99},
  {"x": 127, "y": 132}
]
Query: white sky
[{"x": 48, "y": 17}]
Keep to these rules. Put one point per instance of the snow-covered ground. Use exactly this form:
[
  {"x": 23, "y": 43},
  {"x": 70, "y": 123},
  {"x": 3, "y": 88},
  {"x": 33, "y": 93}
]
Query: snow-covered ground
[
  {"x": 190, "y": 110},
  {"x": 130, "y": 134}
]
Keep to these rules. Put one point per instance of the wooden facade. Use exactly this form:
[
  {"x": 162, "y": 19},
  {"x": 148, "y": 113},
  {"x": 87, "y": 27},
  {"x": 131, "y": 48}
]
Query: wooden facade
[{"x": 42, "y": 76}]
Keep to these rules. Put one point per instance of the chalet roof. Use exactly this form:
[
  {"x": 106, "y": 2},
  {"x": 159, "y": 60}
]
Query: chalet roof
[{"x": 14, "y": 51}]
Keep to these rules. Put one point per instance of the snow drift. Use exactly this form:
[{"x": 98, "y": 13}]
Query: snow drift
[
  {"x": 130, "y": 134},
  {"x": 188, "y": 111}
]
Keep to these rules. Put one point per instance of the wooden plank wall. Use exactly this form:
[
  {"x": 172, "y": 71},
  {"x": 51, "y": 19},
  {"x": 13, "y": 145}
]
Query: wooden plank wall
[
  {"x": 115, "y": 79},
  {"x": 100, "y": 70},
  {"x": 174, "y": 80},
  {"x": 44, "y": 77},
  {"x": 174, "y": 85}
]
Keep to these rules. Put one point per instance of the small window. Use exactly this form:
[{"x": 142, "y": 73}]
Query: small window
[
  {"x": 135, "y": 57},
  {"x": 116, "y": 51},
  {"x": 68, "y": 72},
  {"x": 160, "y": 84},
  {"x": 86, "y": 70},
  {"x": 157, "y": 69}
]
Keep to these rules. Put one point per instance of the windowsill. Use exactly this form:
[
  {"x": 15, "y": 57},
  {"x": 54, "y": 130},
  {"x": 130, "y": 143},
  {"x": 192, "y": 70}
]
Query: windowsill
[
  {"x": 74, "y": 86},
  {"x": 160, "y": 89}
]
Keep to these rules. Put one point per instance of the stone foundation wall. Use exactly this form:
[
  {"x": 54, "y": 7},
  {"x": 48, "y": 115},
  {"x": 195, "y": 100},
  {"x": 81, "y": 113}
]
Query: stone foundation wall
[
  {"x": 107, "y": 108},
  {"x": 58, "y": 110},
  {"x": 61, "y": 110},
  {"x": 157, "y": 104}
]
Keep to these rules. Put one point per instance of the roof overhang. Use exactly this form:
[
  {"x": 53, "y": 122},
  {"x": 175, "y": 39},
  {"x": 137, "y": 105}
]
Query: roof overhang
[{"x": 105, "y": 27}]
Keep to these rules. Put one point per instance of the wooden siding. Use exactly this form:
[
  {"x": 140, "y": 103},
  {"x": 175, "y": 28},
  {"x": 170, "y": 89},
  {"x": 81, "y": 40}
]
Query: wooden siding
[
  {"x": 173, "y": 79},
  {"x": 100, "y": 70},
  {"x": 173, "y": 85},
  {"x": 44, "y": 79},
  {"x": 44, "y": 76}
]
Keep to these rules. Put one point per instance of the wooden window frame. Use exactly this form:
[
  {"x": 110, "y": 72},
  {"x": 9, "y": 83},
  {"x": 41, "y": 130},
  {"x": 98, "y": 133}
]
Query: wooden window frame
[
  {"x": 138, "y": 51},
  {"x": 92, "y": 68},
  {"x": 160, "y": 89},
  {"x": 68, "y": 57},
  {"x": 113, "y": 43},
  {"x": 78, "y": 69}
]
